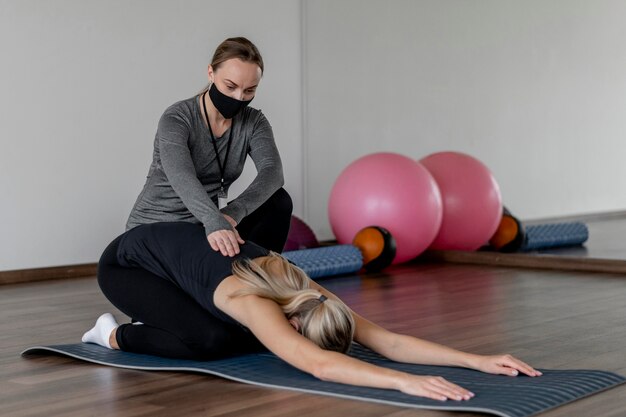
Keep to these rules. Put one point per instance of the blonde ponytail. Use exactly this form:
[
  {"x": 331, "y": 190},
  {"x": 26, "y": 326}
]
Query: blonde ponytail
[{"x": 326, "y": 322}]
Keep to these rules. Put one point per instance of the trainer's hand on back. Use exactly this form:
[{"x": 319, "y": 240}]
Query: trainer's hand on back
[
  {"x": 434, "y": 387},
  {"x": 225, "y": 241},
  {"x": 504, "y": 365}
]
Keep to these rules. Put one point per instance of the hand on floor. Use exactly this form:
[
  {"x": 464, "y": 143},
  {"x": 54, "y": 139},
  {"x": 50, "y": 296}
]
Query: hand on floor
[
  {"x": 504, "y": 365},
  {"x": 434, "y": 387}
]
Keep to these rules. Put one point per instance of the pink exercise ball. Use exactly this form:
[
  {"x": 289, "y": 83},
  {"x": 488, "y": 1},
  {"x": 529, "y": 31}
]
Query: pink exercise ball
[
  {"x": 390, "y": 191},
  {"x": 472, "y": 204}
]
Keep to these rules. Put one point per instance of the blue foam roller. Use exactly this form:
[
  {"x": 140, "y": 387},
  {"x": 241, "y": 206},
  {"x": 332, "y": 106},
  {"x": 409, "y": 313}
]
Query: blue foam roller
[
  {"x": 545, "y": 236},
  {"x": 327, "y": 261}
]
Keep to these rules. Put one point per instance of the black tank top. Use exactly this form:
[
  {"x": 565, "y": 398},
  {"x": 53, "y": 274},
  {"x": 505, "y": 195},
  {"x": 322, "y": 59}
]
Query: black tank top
[{"x": 180, "y": 253}]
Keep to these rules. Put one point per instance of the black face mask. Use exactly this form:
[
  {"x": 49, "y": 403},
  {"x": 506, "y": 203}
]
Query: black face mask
[{"x": 227, "y": 106}]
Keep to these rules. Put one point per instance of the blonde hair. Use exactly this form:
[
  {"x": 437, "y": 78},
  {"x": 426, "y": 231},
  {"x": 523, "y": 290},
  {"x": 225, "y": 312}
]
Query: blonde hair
[{"x": 328, "y": 323}]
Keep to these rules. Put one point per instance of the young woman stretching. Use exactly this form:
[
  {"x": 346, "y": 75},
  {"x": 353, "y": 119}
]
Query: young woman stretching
[{"x": 193, "y": 302}]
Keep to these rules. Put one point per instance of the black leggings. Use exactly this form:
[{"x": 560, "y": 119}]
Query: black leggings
[
  {"x": 174, "y": 324},
  {"x": 268, "y": 226}
]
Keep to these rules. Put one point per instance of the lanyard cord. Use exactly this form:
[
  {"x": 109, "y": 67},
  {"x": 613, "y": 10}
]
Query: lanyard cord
[{"x": 217, "y": 155}]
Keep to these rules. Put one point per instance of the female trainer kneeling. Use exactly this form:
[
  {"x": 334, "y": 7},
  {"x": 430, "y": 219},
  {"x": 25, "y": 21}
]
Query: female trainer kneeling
[
  {"x": 193, "y": 302},
  {"x": 200, "y": 148}
]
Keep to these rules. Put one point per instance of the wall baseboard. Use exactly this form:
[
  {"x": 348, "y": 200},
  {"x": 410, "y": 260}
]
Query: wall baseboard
[
  {"x": 479, "y": 258},
  {"x": 43, "y": 274},
  {"x": 584, "y": 217},
  {"x": 521, "y": 260}
]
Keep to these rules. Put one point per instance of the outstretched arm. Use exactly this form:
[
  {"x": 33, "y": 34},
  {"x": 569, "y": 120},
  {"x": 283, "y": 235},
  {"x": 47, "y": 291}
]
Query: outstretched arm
[
  {"x": 409, "y": 349},
  {"x": 268, "y": 323}
]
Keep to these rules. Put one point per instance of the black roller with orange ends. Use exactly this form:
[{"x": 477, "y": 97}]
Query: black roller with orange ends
[
  {"x": 509, "y": 236},
  {"x": 377, "y": 246}
]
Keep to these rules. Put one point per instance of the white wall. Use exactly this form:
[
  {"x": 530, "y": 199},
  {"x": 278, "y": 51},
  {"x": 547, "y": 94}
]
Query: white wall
[
  {"x": 83, "y": 84},
  {"x": 534, "y": 89}
]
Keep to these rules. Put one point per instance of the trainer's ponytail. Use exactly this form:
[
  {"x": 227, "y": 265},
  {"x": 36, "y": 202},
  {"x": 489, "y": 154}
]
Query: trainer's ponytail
[{"x": 326, "y": 322}]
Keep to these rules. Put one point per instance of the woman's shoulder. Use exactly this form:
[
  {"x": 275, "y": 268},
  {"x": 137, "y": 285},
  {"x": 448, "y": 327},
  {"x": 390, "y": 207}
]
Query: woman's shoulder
[
  {"x": 181, "y": 111},
  {"x": 252, "y": 114},
  {"x": 251, "y": 250},
  {"x": 182, "y": 107},
  {"x": 252, "y": 118}
]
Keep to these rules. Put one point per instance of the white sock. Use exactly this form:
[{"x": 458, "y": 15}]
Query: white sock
[{"x": 101, "y": 332}]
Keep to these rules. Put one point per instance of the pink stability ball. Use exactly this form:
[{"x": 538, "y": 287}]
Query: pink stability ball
[
  {"x": 391, "y": 191},
  {"x": 472, "y": 204}
]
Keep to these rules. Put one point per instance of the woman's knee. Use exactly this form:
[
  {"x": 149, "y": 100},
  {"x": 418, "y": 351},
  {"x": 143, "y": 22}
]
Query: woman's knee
[
  {"x": 281, "y": 201},
  {"x": 211, "y": 345},
  {"x": 218, "y": 340},
  {"x": 108, "y": 261}
]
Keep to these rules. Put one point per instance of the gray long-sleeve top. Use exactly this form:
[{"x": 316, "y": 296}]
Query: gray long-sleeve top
[{"x": 184, "y": 177}]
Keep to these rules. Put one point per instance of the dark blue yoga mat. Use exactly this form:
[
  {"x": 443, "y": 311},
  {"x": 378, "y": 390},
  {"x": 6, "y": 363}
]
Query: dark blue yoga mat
[{"x": 500, "y": 395}]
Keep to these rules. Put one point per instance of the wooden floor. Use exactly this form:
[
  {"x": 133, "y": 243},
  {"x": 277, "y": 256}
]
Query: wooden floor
[{"x": 550, "y": 319}]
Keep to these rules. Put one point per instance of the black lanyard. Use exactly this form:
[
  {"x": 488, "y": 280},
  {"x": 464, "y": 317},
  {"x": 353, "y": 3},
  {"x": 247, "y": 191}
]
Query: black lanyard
[{"x": 217, "y": 155}]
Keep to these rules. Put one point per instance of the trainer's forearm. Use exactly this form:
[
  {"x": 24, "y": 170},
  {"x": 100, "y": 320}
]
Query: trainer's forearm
[{"x": 409, "y": 349}]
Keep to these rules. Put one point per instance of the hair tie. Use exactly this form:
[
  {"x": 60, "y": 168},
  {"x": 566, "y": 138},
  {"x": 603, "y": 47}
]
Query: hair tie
[{"x": 322, "y": 298}]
